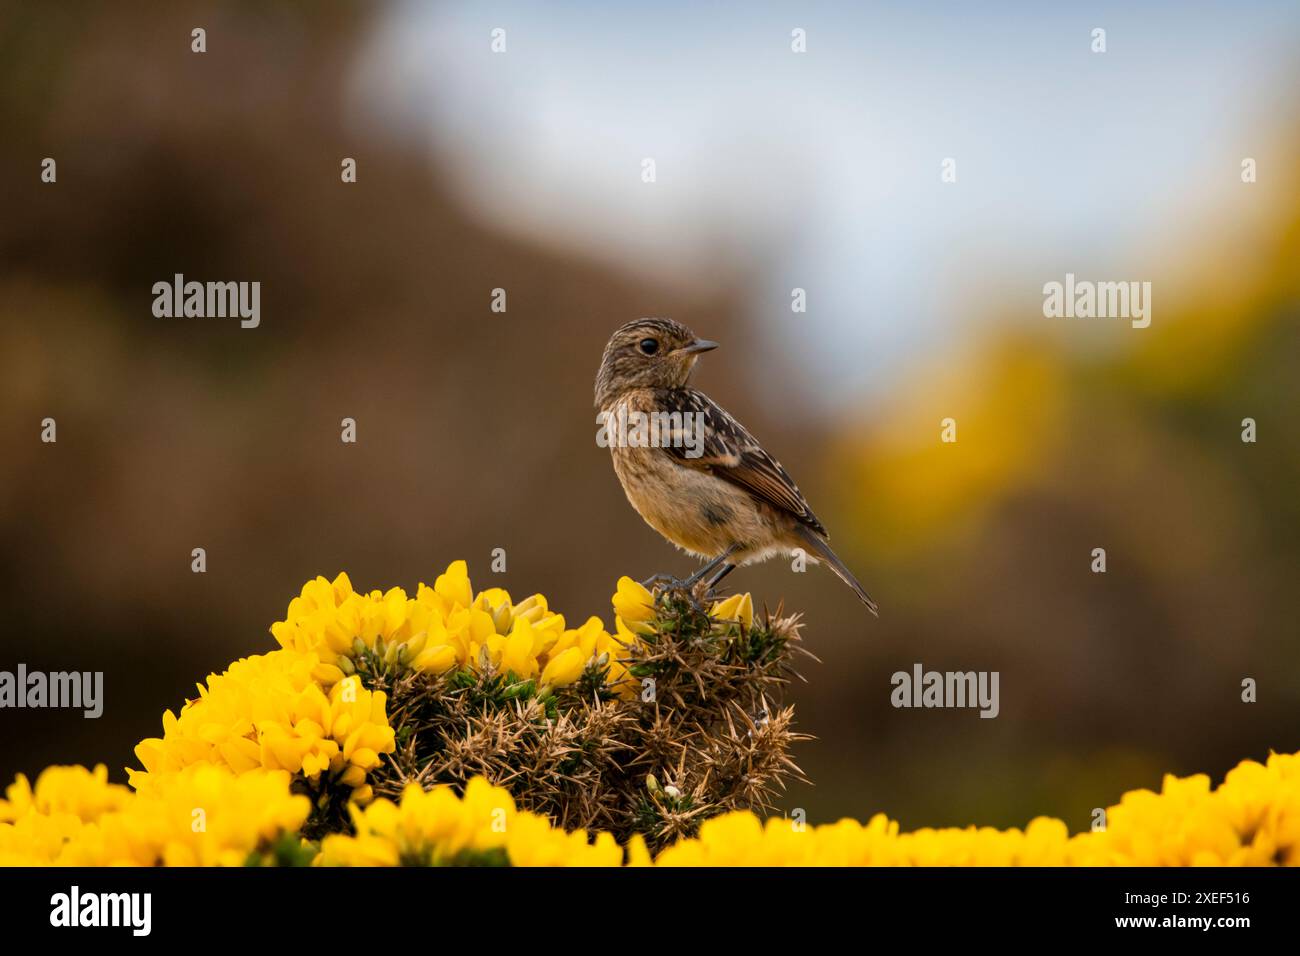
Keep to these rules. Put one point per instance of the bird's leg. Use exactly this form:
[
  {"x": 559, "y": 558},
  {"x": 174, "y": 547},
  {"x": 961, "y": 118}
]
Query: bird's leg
[
  {"x": 708, "y": 568},
  {"x": 671, "y": 580},
  {"x": 700, "y": 584},
  {"x": 722, "y": 573},
  {"x": 704, "y": 590},
  {"x": 677, "y": 584}
]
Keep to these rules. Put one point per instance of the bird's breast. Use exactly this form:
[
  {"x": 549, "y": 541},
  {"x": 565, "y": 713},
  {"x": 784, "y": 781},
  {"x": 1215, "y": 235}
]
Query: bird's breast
[{"x": 691, "y": 508}]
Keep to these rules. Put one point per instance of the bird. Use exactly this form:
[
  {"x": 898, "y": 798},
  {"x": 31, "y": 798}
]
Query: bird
[{"x": 700, "y": 479}]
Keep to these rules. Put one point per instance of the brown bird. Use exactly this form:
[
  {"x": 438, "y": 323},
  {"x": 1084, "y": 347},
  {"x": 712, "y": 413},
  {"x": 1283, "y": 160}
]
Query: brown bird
[{"x": 694, "y": 473}]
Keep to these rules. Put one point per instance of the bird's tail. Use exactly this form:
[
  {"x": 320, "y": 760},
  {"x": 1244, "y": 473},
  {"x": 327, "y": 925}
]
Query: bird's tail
[{"x": 818, "y": 545}]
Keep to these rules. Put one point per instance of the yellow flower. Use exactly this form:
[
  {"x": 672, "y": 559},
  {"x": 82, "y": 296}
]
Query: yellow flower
[
  {"x": 340, "y": 625},
  {"x": 564, "y": 668},
  {"x": 217, "y": 788},
  {"x": 269, "y": 712},
  {"x": 739, "y": 839},
  {"x": 85, "y": 794},
  {"x": 437, "y": 828},
  {"x": 738, "y": 607},
  {"x": 453, "y": 586},
  {"x": 442, "y": 628},
  {"x": 38, "y": 823},
  {"x": 638, "y": 854},
  {"x": 204, "y": 815},
  {"x": 37, "y": 839},
  {"x": 597, "y": 646},
  {"x": 532, "y": 841},
  {"x": 436, "y": 660},
  {"x": 517, "y": 656},
  {"x": 634, "y": 606},
  {"x": 1253, "y": 818},
  {"x": 201, "y": 816}
]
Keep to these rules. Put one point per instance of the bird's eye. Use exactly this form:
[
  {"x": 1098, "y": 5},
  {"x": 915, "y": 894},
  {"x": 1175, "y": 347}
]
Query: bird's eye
[{"x": 649, "y": 346}]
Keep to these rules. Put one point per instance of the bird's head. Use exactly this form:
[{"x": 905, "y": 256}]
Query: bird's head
[{"x": 648, "y": 353}]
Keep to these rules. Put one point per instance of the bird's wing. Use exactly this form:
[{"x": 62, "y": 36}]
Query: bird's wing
[{"x": 731, "y": 453}]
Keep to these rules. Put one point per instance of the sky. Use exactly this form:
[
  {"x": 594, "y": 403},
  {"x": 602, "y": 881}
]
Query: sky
[{"x": 822, "y": 170}]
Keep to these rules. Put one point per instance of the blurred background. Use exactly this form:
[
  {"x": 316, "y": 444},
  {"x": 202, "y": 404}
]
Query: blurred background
[{"x": 821, "y": 171}]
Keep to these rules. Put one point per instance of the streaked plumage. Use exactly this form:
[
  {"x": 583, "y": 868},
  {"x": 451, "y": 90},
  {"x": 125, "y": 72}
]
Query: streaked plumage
[{"x": 734, "y": 504}]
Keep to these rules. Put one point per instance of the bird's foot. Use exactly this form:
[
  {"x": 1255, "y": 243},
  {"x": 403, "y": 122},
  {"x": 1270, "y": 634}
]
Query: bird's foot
[
  {"x": 705, "y": 594},
  {"x": 699, "y": 593},
  {"x": 664, "y": 582}
]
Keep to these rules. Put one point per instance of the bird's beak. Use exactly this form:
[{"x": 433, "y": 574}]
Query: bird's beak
[{"x": 699, "y": 345}]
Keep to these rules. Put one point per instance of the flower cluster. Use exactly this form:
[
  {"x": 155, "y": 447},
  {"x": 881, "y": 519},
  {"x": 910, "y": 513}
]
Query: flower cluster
[
  {"x": 437, "y": 828},
  {"x": 271, "y": 712},
  {"x": 36, "y": 823},
  {"x": 207, "y": 815},
  {"x": 636, "y": 613},
  {"x": 204, "y": 815},
  {"x": 741, "y": 839},
  {"x": 380, "y": 729},
  {"x": 1251, "y": 819},
  {"x": 443, "y": 628}
]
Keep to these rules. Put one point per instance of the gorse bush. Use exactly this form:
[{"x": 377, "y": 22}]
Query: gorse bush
[
  {"x": 455, "y": 728},
  {"x": 580, "y": 724}
]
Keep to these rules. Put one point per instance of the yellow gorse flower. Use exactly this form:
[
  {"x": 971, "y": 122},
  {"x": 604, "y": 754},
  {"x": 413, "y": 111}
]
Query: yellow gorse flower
[
  {"x": 442, "y": 628},
  {"x": 437, "y": 827},
  {"x": 1251, "y": 819},
  {"x": 223, "y": 785},
  {"x": 38, "y": 822},
  {"x": 270, "y": 712},
  {"x": 74, "y": 816},
  {"x": 634, "y": 606},
  {"x": 204, "y": 815},
  {"x": 76, "y": 791},
  {"x": 738, "y": 608}
]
